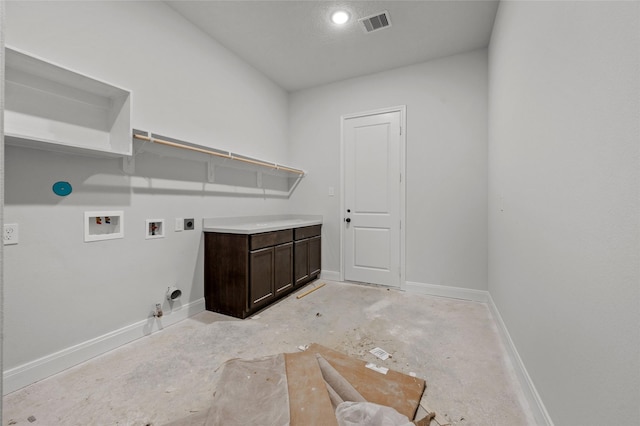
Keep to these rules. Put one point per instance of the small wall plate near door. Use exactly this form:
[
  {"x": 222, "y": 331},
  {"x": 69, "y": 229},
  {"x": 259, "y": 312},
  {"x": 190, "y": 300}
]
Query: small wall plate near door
[
  {"x": 10, "y": 235},
  {"x": 154, "y": 228},
  {"x": 103, "y": 225}
]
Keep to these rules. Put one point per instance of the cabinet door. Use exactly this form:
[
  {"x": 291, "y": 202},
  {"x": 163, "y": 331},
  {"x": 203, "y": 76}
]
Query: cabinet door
[
  {"x": 301, "y": 261},
  {"x": 283, "y": 271},
  {"x": 261, "y": 276},
  {"x": 315, "y": 253}
]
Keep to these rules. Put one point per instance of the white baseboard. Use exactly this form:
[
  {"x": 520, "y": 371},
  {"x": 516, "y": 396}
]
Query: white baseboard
[
  {"x": 49, "y": 365},
  {"x": 447, "y": 291},
  {"x": 538, "y": 409},
  {"x": 531, "y": 394},
  {"x": 330, "y": 275}
]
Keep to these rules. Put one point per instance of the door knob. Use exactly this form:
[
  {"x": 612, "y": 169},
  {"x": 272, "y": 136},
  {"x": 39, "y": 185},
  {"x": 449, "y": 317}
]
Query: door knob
[{"x": 348, "y": 220}]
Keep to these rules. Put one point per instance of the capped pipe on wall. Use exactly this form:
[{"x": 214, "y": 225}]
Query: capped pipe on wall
[{"x": 173, "y": 293}]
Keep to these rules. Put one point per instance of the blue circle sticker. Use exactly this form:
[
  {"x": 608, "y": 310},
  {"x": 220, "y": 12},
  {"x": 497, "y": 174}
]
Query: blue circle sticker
[{"x": 62, "y": 188}]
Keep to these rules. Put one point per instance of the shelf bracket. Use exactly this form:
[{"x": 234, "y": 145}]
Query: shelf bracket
[
  {"x": 295, "y": 184},
  {"x": 211, "y": 168},
  {"x": 129, "y": 164}
]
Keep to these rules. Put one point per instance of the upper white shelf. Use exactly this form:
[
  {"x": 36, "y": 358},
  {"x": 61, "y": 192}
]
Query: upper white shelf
[
  {"x": 214, "y": 153},
  {"x": 51, "y": 107},
  {"x": 227, "y": 172}
]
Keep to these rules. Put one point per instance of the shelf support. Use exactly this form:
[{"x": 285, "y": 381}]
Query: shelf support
[
  {"x": 129, "y": 164},
  {"x": 295, "y": 184},
  {"x": 211, "y": 170}
]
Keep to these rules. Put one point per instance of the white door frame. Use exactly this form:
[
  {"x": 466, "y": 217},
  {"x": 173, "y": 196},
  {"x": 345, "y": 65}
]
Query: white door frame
[{"x": 403, "y": 185}]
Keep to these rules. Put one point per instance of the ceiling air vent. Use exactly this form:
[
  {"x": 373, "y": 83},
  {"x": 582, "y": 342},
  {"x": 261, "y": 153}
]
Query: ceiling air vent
[{"x": 375, "y": 22}]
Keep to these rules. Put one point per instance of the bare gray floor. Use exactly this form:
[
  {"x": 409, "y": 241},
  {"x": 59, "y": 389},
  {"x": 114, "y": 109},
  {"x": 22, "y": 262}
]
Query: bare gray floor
[{"x": 170, "y": 376}]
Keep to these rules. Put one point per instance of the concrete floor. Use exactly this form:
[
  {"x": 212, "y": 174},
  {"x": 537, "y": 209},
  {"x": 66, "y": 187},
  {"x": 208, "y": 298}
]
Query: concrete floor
[{"x": 170, "y": 376}]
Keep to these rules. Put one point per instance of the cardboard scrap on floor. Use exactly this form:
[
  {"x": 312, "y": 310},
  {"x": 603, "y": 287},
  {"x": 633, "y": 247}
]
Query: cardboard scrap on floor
[
  {"x": 394, "y": 389},
  {"x": 304, "y": 388}
]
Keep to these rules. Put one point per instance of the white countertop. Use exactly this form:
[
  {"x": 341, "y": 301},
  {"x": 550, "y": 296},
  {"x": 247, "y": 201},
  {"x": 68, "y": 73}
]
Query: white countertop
[{"x": 257, "y": 224}]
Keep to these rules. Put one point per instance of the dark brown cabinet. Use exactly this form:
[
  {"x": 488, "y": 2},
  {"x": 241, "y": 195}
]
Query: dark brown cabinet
[
  {"x": 245, "y": 273},
  {"x": 283, "y": 264},
  {"x": 307, "y": 252},
  {"x": 261, "y": 277},
  {"x": 315, "y": 251},
  {"x": 301, "y": 266}
]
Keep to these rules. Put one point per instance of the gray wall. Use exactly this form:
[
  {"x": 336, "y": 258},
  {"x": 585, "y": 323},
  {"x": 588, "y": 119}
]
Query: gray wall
[
  {"x": 564, "y": 241},
  {"x": 60, "y": 291},
  {"x": 446, "y": 200},
  {"x": 2, "y": 21},
  {"x": 563, "y": 233},
  {"x": 63, "y": 292}
]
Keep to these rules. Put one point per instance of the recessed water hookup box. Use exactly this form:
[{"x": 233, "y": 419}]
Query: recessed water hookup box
[
  {"x": 154, "y": 229},
  {"x": 103, "y": 225}
]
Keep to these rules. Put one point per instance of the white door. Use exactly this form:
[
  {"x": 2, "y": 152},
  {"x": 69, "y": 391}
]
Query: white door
[{"x": 372, "y": 188}]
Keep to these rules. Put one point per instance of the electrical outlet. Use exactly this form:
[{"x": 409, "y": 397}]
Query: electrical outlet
[
  {"x": 189, "y": 224},
  {"x": 179, "y": 224},
  {"x": 10, "y": 234}
]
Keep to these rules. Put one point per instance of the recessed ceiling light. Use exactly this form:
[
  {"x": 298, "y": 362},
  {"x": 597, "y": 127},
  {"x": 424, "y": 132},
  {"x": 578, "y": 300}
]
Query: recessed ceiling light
[{"x": 340, "y": 17}]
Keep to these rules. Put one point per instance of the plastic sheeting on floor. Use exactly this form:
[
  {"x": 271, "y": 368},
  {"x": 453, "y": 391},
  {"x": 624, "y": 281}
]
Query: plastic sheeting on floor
[{"x": 305, "y": 388}]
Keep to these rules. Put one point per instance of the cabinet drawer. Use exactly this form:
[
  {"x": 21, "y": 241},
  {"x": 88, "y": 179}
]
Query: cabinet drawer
[
  {"x": 268, "y": 239},
  {"x": 307, "y": 232}
]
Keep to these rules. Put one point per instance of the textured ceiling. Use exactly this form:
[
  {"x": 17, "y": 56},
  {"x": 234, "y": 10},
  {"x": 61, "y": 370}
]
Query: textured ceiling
[{"x": 294, "y": 43}]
